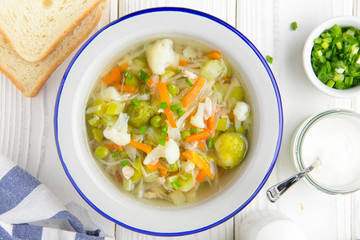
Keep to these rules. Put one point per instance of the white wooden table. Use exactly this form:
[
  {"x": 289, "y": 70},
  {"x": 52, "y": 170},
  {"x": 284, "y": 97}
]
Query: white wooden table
[{"x": 27, "y": 135}]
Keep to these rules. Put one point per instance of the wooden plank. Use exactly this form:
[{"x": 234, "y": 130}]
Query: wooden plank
[
  {"x": 268, "y": 27},
  {"x": 51, "y": 172}
]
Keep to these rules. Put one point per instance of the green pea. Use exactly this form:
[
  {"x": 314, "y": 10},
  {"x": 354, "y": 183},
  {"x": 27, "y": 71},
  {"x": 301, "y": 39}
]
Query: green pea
[
  {"x": 185, "y": 134},
  {"x": 173, "y": 89},
  {"x": 174, "y": 167},
  {"x": 155, "y": 121},
  {"x": 101, "y": 151}
]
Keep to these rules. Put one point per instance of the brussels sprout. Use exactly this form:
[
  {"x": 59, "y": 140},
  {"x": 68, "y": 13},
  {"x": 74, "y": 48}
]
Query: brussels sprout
[
  {"x": 140, "y": 114},
  {"x": 231, "y": 149}
]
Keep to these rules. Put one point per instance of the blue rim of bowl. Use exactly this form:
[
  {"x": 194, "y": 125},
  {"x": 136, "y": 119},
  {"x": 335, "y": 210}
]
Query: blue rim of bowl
[{"x": 258, "y": 54}]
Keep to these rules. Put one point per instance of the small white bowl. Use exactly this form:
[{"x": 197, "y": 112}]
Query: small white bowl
[
  {"x": 345, "y": 21},
  {"x": 107, "y": 45}
]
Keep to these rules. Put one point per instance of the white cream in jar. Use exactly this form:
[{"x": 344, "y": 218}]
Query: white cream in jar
[{"x": 335, "y": 140}]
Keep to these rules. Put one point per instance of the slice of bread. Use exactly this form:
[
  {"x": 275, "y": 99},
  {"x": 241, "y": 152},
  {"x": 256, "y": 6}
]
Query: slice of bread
[
  {"x": 30, "y": 76},
  {"x": 34, "y": 27}
]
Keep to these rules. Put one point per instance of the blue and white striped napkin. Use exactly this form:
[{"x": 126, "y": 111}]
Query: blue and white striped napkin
[{"x": 28, "y": 210}]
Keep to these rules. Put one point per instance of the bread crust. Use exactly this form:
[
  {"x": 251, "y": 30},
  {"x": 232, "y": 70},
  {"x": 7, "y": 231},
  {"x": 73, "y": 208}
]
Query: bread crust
[
  {"x": 56, "y": 41},
  {"x": 52, "y": 68}
]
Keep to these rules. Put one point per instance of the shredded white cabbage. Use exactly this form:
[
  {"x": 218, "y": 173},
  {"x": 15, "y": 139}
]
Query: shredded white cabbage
[{"x": 198, "y": 119}]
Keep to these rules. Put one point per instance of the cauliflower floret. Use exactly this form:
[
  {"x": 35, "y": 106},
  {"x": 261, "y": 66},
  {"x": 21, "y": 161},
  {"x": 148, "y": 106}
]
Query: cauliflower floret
[
  {"x": 198, "y": 119},
  {"x": 170, "y": 152},
  {"x": 127, "y": 172},
  {"x": 161, "y": 55},
  {"x": 189, "y": 53},
  {"x": 118, "y": 133},
  {"x": 241, "y": 111}
]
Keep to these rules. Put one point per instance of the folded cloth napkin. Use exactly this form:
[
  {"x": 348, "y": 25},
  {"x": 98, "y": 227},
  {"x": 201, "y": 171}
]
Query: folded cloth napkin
[{"x": 29, "y": 210}]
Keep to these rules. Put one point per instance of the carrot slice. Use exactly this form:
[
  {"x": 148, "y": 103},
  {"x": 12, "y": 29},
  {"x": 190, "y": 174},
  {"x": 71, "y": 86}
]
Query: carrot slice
[
  {"x": 226, "y": 78},
  {"x": 163, "y": 172},
  {"x": 141, "y": 146},
  {"x": 109, "y": 146},
  {"x": 198, "y": 161},
  {"x": 194, "y": 92},
  {"x": 170, "y": 117},
  {"x": 198, "y": 136},
  {"x": 201, "y": 145},
  {"x": 124, "y": 88},
  {"x": 200, "y": 177},
  {"x": 163, "y": 169},
  {"x": 118, "y": 147},
  {"x": 164, "y": 93},
  {"x": 107, "y": 79},
  {"x": 183, "y": 63},
  {"x": 164, "y": 96},
  {"x": 123, "y": 66},
  {"x": 211, "y": 122},
  {"x": 214, "y": 55},
  {"x": 113, "y": 77},
  {"x": 151, "y": 167}
]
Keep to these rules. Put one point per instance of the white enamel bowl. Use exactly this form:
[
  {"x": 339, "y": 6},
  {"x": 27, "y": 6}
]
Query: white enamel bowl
[
  {"x": 103, "y": 48},
  {"x": 345, "y": 21}
]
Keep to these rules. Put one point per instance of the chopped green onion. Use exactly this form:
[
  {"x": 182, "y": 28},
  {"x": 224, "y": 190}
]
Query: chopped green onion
[
  {"x": 294, "y": 26},
  {"x": 163, "y": 131},
  {"x": 188, "y": 82},
  {"x": 335, "y": 55},
  {"x": 128, "y": 74},
  {"x": 210, "y": 142},
  {"x": 143, "y": 76},
  {"x": 162, "y": 141},
  {"x": 194, "y": 130},
  {"x": 180, "y": 112},
  {"x": 163, "y": 105},
  {"x": 116, "y": 154},
  {"x": 142, "y": 129},
  {"x": 176, "y": 184},
  {"x": 330, "y": 83},
  {"x": 175, "y": 107},
  {"x": 269, "y": 59},
  {"x": 135, "y": 102},
  {"x": 124, "y": 163}
]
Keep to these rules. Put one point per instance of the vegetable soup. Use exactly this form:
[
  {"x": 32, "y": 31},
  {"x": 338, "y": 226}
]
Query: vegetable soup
[{"x": 169, "y": 120}]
